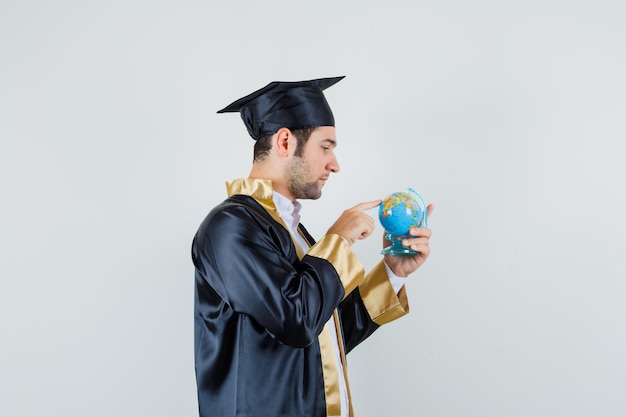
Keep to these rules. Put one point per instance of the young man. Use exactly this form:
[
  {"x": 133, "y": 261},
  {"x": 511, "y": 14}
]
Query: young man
[{"x": 275, "y": 311}]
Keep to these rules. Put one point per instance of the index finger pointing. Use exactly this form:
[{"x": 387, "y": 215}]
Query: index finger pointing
[{"x": 367, "y": 205}]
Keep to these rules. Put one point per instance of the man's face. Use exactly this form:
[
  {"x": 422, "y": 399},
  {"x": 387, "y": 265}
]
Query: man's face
[{"x": 306, "y": 175}]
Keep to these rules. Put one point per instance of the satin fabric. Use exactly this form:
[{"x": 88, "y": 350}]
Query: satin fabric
[
  {"x": 297, "y": 105},
  {"x": 259, "y": 310}
]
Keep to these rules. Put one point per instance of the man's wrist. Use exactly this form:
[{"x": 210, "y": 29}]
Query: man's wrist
[{"x": 396, "y": 281}]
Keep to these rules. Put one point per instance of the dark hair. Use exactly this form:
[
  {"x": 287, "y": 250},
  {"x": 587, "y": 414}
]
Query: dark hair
[{"x": 263, "y": 145}]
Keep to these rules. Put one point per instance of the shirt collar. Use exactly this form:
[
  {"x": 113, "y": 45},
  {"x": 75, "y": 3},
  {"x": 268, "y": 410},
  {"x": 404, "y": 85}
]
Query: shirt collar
[{"x": 288, "y": 210}]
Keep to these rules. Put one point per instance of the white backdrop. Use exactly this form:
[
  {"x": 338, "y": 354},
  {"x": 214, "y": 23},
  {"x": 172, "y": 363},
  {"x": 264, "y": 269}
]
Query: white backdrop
[{"x": 507, "y": 115}]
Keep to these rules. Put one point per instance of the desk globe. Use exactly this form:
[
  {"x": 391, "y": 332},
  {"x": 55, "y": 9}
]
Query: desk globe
[{"x": 398, "y": 213}]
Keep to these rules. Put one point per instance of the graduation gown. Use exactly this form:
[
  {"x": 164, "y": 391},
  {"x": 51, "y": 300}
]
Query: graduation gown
[{"x": 262, "y": 347}]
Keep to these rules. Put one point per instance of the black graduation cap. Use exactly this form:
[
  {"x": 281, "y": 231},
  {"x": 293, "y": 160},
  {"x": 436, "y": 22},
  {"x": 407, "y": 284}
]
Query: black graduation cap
[{"x": 294, "y": 105}]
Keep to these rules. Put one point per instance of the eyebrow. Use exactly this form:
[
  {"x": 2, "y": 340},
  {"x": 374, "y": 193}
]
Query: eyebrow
[{"x": 330, "y": 142}]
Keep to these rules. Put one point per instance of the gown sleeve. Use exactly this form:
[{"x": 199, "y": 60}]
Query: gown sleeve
[
  {"x": 371, "y": 305},
  {"x": 370, "y": 300}
]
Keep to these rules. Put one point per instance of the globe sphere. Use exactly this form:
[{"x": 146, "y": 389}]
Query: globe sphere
[{"x": 401, "y": 211}]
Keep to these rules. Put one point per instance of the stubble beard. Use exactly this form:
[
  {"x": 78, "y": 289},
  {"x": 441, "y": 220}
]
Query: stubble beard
[{"x": 297, "y": 174}]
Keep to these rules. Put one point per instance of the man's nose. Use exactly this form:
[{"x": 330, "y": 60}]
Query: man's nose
[{"x": 333, "y": 165}]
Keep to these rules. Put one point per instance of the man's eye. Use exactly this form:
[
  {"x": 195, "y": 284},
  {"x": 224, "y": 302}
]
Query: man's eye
[{"x": 325, "y": 148}]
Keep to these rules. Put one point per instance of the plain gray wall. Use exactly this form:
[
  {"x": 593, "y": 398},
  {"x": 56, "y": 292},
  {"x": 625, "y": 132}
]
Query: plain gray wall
[{"x": 508, "y": 115}]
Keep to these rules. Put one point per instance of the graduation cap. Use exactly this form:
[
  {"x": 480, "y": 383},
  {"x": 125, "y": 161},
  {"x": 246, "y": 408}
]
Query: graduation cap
[{"x": 294, "y": 105}]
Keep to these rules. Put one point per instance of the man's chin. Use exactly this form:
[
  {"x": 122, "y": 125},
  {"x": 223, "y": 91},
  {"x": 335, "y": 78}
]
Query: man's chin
[
  {"x": 312, "y": 192},
  {"x": 306, "y": 190},
  {"x": 312, "y": 196}
]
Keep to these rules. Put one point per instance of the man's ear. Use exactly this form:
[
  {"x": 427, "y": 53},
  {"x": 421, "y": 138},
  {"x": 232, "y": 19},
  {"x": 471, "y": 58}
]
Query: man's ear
[{"x": 281, "y": 141}]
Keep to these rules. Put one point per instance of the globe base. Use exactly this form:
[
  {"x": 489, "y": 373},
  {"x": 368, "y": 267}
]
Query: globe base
[
  {"x": 396, "y": 248},
  {"x": 402, "y": 251}
]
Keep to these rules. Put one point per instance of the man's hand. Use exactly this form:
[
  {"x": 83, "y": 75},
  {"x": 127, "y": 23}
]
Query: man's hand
[
  {"x": 402, "y": 266},
  {"x": 354, "y": 224}
]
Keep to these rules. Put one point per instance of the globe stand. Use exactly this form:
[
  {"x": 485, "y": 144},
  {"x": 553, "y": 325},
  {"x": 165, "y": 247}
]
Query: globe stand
[{"x": 396, "y": 248}]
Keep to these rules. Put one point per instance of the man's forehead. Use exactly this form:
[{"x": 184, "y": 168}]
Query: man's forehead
[{"x": 325, "y": 134}]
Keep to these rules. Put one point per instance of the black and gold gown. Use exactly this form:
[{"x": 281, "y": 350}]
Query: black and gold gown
[{"x": 262, "y": 346}]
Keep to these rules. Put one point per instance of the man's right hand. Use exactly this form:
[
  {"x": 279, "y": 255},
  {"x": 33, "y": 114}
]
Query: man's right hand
[{"x": 354, "y": 224}]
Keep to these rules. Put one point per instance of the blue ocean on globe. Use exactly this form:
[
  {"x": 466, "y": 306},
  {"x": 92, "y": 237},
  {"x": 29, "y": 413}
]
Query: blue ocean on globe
[{"x": 400, "y": 211}]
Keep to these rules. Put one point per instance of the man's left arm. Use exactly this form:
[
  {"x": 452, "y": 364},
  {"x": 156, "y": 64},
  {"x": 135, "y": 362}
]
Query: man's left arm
[
  {"x": 381, "y": 297},
  {"x": 374, "y": 303}
]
